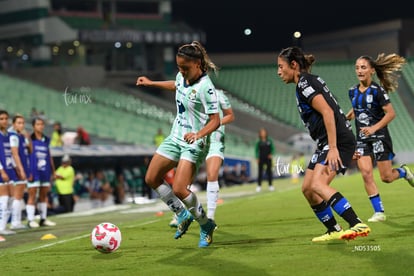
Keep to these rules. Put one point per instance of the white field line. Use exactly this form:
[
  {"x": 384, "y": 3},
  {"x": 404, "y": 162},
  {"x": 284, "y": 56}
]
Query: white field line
[
  {"x": 75, "y": 238},
  {"x": 159, "y": 206}
]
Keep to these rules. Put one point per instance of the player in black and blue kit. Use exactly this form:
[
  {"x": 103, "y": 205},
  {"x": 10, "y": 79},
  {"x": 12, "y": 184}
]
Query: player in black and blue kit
[
  {"x": 8, "y": 179},
  {"x": 42, "y": 171},
  {"x": 373, "y": 111},
  {"x": 328, "y": 126}
]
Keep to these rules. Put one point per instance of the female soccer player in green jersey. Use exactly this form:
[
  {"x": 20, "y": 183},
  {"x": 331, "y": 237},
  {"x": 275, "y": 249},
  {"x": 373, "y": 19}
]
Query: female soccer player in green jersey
[{"x": 187, "y": 144}]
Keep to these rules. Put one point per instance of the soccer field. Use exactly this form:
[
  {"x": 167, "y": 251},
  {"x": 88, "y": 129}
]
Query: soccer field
[{"x": 267, "y": 233}]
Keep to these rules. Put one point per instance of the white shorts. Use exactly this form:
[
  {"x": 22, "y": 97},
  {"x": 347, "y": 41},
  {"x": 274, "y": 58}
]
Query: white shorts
[{"x": 37, "y": 184}]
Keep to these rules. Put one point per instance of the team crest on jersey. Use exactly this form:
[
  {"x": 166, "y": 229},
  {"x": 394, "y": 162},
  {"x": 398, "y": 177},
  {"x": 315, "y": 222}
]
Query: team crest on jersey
[
  {"x": 369, "y": 98},
  {"x": 193, "y": 95}
]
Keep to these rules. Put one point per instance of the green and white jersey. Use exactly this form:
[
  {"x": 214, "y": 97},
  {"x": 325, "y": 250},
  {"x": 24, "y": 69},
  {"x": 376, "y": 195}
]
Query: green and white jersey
[
  {"x": 223, "y": 103},
  {"x": 194, "y": 103}
]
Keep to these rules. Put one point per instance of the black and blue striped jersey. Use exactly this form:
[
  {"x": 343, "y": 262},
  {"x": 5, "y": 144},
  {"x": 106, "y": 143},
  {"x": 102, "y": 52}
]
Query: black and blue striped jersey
[
  {"x": 307, "y": 88},
  {"x": 368, "y": 109}
]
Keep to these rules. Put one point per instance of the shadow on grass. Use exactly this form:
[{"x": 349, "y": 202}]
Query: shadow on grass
[{"x": 208, "y": 261}]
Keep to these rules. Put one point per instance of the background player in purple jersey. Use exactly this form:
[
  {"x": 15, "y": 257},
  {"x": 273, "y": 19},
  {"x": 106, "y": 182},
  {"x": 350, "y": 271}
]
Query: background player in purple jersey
[
  {"x": 8, "y": 176},
  {"x": 42, "y": 171},
  {"x": 20, "y": 148},
  {"x": 328, "y": 126},
  {"x": 373, "y": 111}
]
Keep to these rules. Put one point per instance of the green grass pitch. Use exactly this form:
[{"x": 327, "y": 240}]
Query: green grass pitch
[{"x": 266, "y": 233}]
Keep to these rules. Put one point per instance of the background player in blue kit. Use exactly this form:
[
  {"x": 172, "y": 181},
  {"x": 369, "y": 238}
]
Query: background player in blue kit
[
  {"x": 8, "y": 174},
  {"x": 373, "y": 111},
  {"x": 21, "y": 148},
  {"x": 328, "y": 126},
  {"x": 187, "y": 145},
  {"x": 42, "y": 171}
]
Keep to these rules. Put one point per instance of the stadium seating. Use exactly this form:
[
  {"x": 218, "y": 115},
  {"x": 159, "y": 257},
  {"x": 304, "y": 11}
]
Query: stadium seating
[
  {"x": 253, "y": 89},
  {"x": 110, "y": 114},
  {"x": 261, "y": 88},
  {"x": 408, "y": 73},
  {"x": 96, "y": 23}
]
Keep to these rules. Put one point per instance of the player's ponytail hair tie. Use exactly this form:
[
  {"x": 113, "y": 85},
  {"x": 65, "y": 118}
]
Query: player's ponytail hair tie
[{"x": 196, "y": 51}]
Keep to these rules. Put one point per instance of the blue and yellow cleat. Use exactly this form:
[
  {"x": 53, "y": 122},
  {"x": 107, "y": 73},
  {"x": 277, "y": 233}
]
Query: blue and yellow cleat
[
  {"x": 206, "y": 233},
  {"x": 184, "y": 220}
]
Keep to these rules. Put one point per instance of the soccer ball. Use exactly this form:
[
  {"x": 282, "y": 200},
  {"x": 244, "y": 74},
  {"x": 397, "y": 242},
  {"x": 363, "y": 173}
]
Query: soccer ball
[{"x": 106, "y": 237}]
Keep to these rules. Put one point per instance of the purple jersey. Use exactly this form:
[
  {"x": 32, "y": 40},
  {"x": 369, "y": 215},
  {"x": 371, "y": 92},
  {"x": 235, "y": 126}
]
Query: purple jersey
[
  {"x": 40, "y": 159},
  {"x": 18, "y": 140},
  {"x": 6, "y": 158}
]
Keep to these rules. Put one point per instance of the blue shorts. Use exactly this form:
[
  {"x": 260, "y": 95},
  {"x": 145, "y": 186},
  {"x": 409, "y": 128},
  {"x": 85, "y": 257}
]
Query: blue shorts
[{"x": 11, "y": 173}]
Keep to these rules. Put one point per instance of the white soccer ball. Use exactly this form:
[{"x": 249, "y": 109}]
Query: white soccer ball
[{"x": 106, "y": 237}]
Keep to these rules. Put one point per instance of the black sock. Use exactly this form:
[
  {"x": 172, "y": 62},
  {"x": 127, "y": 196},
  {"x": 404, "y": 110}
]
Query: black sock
[
  {"x": 324, "y": 214},
  {"x": 343, "y": 208}
]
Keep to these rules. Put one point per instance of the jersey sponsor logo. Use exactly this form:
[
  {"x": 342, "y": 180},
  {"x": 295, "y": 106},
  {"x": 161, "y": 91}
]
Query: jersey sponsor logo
[
  {"x": 181, "y": 108},
  {"x": 363, "y": 118},
  {"x": 378, "y": 147},
  {"x": 213, "y": 107},
  {"x": 7, "y": 152},
  {"x": 303, "y": 83},
  {"x": 348, "y": 125},
  {"x": 9, "y": 162},
  {"x": 320, "y": 80},
  {"x": 180, "y": 92},
  {"x": 182, "y": 122},
  {"x": 41, "y": 148},
  {"x": 41, "y": 164},
  {"x": 40, "y": 154},
  {"x": 308, "y": 91}
]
